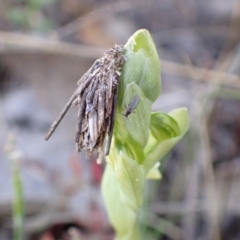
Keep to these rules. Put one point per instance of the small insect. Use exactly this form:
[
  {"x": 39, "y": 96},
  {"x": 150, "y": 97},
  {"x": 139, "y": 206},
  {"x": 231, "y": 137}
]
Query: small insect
[{"x": 132, "y": 105}]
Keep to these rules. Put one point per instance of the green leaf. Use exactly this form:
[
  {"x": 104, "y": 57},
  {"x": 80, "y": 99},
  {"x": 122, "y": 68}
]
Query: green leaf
[
  {"x": 123, "y": 218},
  {"x": 141, "y": 77},
  {"x": 142, "y": 66},
  {"x": 134, "y": 130},
  {"x": 154, "y": 173},
  {"x": 167, "y": 124},
  {"x": 156, "y": 149},
  {"x": 131, "y": 179},
  {"x": 140, "y": 140}
]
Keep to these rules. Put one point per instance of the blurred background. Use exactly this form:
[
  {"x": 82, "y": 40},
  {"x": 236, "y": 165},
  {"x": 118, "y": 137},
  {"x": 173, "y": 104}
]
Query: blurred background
[{"x": 47, "y": 45}]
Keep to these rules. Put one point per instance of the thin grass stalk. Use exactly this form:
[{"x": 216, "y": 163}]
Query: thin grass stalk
[{"x": 17, "y": 200}]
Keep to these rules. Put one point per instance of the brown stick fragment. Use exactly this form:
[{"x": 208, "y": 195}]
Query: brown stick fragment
[
  {"x": 84, "y": 81},
  {"x": 61, "y": 115},
  {"x": 92, "y": 91},
  {"x": 89, "y": 71},
  {"x": 112, "y": 118},
  {"x": 82, "y": 107},
  {"x": 101, "y": 108}
]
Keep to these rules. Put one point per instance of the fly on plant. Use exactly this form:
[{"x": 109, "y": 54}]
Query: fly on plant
[
  {"x": 96, "y": 98},
  {"x": 132, "y": 105}
]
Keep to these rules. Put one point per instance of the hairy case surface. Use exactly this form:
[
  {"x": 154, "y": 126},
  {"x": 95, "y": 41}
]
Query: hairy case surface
[{"x": 96, "y": 98}]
